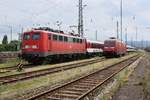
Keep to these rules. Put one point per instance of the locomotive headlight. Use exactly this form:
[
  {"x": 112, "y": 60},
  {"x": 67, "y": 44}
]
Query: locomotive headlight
[
  {"x": 27, "y": 47},
  {"x": 34, "y": 46}
]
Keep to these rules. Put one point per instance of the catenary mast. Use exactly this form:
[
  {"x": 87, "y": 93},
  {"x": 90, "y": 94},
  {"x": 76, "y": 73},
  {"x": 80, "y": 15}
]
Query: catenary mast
[{"x": 80, "y": 22}]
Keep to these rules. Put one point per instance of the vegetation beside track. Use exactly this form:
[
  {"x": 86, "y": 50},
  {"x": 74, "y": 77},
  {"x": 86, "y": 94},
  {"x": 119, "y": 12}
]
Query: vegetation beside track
[
  {"x": 47, "y": 66},
  {"x": 108, "y": 91},
  {"x": 146, "y": 85},
  {"x": 9, "y": 46},
  {"x": 20, "y": 87},
  {"x": 10, "y": 62},
  {"x": 145, "y": 82}
]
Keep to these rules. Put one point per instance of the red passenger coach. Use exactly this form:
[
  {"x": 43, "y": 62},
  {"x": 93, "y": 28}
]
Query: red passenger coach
[
  {"x": 114, "y": 47},
  {"x": 47, "y": 43},
  {"x": 94, "y": 47}
]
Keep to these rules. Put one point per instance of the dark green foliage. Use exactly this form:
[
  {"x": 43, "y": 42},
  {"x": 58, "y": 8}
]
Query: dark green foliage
[
  {"x": 12, "y": 46},
  {"x": 2, "y": 47},
  {"x": 5, "y": 40}
]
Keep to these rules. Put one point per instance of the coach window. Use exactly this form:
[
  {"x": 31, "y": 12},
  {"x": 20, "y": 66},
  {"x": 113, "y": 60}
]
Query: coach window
[
  {"x": 36, "y": 36},
  {"x": 66, "y": 39},
  {"x": 74, "y": 40},
  {"x": 60, "y": 38},
  {"x": 26, "y": 36},
  {"x": 54, "y": 37},
  {"x": 70, "y": 39},
  {"x": 93, "y": 45},
  {"x": 78, "y": 40}
]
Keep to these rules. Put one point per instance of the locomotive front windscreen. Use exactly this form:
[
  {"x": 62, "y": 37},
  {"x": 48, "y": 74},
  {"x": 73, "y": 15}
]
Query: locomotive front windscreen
[
  {"x": 26, "y": 37},
  {"x": 109, "y": 43},
  {"x": 36, "y": 36}
]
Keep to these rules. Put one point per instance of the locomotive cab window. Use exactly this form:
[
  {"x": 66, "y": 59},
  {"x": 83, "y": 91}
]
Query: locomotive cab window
[
  {"x": 110, "y": 43},
  {"x": 26, "y": 36},
  {"x": 36, "y": 36}
]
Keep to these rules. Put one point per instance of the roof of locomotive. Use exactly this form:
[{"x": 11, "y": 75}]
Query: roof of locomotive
[
  {"x": 56, "y": 32},
  {"x": 114, "y": 40}
]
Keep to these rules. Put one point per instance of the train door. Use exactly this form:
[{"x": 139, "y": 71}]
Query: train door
[{"x": 49, "y": 42}]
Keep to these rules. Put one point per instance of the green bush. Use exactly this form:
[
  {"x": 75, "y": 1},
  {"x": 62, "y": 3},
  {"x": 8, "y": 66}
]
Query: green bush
[
  {"x": 2, "y": 48},
  {"x": 12, "y": 46}
]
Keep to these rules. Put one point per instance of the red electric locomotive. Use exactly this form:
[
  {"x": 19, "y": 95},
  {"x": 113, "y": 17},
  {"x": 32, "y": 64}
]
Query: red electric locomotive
[
  {"x": 45, "y": 43},
  {"x": 42, "y": 43},
  {"x": 114, "y": 47}
]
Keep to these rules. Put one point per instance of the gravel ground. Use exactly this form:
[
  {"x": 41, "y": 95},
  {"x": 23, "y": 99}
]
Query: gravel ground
[{"x": 133, "y": 89}]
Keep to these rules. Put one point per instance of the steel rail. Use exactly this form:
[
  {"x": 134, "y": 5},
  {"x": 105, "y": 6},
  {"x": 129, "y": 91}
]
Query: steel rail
[
  {"x": 62, "y": 92},
  {"x": 33, "y": 74}
]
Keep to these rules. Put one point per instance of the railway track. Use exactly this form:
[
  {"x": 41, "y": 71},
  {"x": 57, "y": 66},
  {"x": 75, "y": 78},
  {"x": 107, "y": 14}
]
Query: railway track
[
  {"x": 33, "y": 74},
  {"x": 11, "y": 68},
  {"x": 79, "y": 88},
  {"x": 24, "y": 66}
]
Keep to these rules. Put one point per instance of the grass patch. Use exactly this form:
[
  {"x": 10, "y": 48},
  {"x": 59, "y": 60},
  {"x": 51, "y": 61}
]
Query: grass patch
[
  {"x": 40, "y": 67},
  {"x": 117, "y": 82},
  {"x": 10, "y": 62},
  {"x": 113, "y": 86},
  {"x": 146, "y": 85}
]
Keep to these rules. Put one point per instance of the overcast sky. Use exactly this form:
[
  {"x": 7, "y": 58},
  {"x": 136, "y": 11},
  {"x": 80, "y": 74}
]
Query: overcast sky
[{"x": 100, "y": 15}]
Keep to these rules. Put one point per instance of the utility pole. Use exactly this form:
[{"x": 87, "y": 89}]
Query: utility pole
[
  {"x": 117, "y": 30},
  {"x": 80, "y": 22},
  {"x": 126, "y": 36},
  {"x": 21, "y": 33},
  {"x": 96, "y": 34},
  {"x": 142, "y": 43},
  {"x": 136, "y": 30},
  {"x": 11, "y": 33},
  {"x": 22, "y": 30},
  {"x": 136, "y": 33},
  {"x": 131, "y": 41},
  {"x": 121, "y": 19}
]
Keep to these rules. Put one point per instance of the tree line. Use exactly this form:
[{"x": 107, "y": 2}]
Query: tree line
[{"x": 9, "y": 46}]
